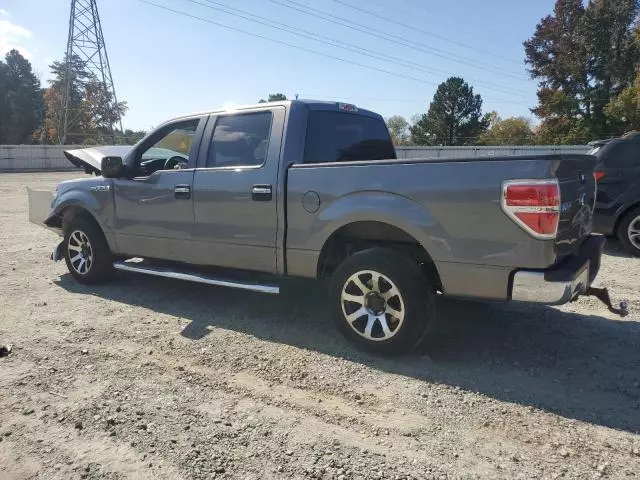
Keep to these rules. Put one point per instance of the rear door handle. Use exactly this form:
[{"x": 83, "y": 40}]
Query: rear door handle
[
  {"x": 261, "y": 193},
  {"x": 182, "y": 191}
]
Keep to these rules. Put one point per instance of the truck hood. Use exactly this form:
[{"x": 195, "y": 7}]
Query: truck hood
[{"x": 91, "y": 158}]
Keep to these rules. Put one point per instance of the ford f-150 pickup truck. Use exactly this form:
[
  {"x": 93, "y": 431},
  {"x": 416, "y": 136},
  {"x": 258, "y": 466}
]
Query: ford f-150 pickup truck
[{"x": 314, "y": 189}]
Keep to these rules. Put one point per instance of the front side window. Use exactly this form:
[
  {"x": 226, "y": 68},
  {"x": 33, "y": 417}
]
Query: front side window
[
  {"x": 171, "y": 149},
  {"x": 346, "y": 137},
  {"x": 240, "y": 140}
]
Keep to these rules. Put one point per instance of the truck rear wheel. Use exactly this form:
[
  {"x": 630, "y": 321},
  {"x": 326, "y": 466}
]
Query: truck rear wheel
[
  {"x": 86, "y": 252},
  {"x": 382, "y": 301},
  {"x": 629, "y": 232}
]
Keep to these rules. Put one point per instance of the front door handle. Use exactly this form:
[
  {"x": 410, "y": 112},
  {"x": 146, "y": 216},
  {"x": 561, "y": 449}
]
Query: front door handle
[
  {"x": 261, "y": 193},
  {"x": 182, "y": 191}
]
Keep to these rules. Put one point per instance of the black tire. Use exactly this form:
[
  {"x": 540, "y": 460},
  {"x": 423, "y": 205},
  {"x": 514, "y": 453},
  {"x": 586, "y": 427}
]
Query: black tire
[
  {"x": 416, "y": 299},
  {"x": 98, "y": 263},
  {"x": 624, "y": 231}
]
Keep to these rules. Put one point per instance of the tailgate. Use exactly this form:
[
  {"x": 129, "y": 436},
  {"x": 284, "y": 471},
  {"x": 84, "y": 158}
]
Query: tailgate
[{"x": 577, "y": 197}]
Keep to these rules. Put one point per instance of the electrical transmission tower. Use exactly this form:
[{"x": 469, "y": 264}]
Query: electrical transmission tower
[{"x": 86, "y": 44}]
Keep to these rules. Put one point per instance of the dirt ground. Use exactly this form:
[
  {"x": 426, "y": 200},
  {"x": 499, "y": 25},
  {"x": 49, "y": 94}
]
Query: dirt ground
[{"x": 149, "y": 378}]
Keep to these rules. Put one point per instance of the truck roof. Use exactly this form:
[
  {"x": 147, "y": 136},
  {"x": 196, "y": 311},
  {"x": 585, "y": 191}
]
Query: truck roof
[{"x": 308, "y": 103}]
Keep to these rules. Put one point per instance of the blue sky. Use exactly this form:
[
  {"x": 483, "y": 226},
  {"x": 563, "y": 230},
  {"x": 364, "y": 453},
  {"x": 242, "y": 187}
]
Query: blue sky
[{"x": 165, "y": 64}]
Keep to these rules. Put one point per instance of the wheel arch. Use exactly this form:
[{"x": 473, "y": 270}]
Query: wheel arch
[
  {"x": 623, "y": 213},
  {"x": 362, "y": 235},
  {"x": 66, "y": 213}
]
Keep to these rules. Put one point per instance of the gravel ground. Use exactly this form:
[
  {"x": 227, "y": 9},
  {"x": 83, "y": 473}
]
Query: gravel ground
[{"x": 160, "y": 379}]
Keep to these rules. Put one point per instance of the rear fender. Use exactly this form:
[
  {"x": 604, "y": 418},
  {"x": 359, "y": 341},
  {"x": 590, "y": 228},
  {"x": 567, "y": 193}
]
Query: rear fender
[{"x": 394, "y": 210}]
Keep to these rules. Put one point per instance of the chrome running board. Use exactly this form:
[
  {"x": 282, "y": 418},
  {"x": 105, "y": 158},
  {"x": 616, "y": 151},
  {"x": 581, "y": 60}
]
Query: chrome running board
[{"x": 194, "y": 277}]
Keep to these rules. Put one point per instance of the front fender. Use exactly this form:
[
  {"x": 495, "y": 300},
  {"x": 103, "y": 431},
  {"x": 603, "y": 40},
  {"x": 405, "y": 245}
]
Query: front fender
[
  {"x": 375, "y": 206},
  {"x": 98, "y": 204}
]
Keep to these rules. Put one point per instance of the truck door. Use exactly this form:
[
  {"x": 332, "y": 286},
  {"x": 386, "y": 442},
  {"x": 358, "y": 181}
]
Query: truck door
[
  {"x": 235, "y": 190},
  {"x": 154, "y": 209}
]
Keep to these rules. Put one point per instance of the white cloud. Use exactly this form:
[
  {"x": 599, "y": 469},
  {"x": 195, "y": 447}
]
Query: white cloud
[
  {"x": 13, "y": 36},
  {"x": 3, "y": 13}
]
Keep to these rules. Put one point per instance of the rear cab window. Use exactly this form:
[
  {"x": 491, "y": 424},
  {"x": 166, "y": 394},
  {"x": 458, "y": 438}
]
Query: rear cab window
[
  {"x": 240, "y": 140},
  {"x": 337, "y": 136}
]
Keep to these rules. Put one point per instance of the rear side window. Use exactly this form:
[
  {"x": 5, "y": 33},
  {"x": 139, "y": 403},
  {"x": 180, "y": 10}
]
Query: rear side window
[
  {"x": 620, "y": 154},
  {"x": 345, "y": 137},
  {"x": 240, "y": 140}
]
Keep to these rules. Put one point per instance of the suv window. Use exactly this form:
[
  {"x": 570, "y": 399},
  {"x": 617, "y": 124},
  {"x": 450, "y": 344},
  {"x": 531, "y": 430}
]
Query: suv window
[
  {"x": 346, "y": 137},
  {"x": 240, "y": 140},
  {"x": 620, "y": 154},
  {"x": 170, "y": 149}
]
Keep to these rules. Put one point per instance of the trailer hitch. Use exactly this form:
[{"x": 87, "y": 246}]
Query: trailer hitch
[{"x": 602, "y": 294}]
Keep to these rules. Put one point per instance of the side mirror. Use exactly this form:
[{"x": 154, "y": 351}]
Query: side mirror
[{"x": 112, "y": 167}]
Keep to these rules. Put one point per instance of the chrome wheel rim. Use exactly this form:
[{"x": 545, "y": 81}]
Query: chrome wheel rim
[
  {"x": 80, "y": 252},
  {"x": 633, "y": 232},
  {"x": 372, "y": 305}
]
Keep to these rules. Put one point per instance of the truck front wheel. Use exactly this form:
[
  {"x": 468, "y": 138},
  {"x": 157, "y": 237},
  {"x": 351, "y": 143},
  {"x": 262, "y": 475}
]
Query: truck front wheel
[
  {"x": 86, "y": 252},
  {"x": 382, "y": 301}
]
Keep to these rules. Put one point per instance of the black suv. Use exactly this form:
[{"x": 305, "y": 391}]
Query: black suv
[{"x": 617, "y": 209}]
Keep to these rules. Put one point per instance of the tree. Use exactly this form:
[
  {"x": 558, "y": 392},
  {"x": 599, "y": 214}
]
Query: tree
[
  {"x": 626, "y": 106},
  {"x": 91, "y": 110},
  {"x": 398, "y": 129},
  {"x": 583, "y": 57},
  {"x": 614, "y": 57},
  {"x": 130, "y": 137},
  {"x": 5, "y": 112},
  {"x": 101, "y": 112},
  {"x": 21, "y": 105},
  {"x": 274, "y": 97},
  {"x": 454, "y": 116},
  {"x": 54, "y": 103},
  {"x": 511, "y": 131}
]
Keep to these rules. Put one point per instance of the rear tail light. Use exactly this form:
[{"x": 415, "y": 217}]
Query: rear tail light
[
  {"x": 598, "y": 175},
  {"x": 534, "y": 205}
]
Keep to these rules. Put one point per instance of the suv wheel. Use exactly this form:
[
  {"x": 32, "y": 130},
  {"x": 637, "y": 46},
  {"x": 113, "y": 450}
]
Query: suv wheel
[
  {"x": 86, "y": 252},
  {"x": 382, "y": 301},
  {"x": 629, "y": 232}
]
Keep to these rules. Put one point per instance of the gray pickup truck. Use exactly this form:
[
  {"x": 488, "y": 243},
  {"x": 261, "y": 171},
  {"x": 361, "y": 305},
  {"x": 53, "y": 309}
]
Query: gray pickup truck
[{"x": 313, "y": 189}]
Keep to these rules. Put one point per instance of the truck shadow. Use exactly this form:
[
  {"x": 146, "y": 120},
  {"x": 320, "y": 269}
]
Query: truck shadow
[{"x": 584, "y": 367}]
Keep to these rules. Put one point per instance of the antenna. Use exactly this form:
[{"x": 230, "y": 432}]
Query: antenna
[{"x": 86, "y": 44}]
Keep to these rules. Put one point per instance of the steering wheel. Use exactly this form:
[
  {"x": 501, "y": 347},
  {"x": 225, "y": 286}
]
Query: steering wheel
[{"x": 174, "y": 162}]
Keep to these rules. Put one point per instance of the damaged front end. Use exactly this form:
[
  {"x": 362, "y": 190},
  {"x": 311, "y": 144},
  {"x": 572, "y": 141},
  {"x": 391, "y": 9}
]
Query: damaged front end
[
  {"x": 41, "y": 213},
  {"x": 41, "y": 207}
]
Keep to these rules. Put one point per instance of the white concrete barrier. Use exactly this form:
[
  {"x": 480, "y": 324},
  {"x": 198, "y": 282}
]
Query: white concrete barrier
[{"x": 21, "y": 158}]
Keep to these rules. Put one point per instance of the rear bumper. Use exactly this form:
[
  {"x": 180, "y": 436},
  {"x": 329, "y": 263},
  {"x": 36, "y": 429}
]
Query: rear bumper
[{"x": 562, "y": 283}]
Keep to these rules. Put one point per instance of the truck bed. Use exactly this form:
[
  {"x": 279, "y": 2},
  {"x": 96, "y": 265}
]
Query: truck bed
[{"x": 449, "y": 206}]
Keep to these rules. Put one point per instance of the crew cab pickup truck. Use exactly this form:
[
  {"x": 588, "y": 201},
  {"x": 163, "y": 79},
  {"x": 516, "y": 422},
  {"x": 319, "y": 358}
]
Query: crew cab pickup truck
[{"x": 313, "y": 189}]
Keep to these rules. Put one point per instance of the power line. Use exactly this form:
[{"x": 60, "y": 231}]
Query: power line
[
  {"x": 457, "y": 28},
  {"x": 298, "y": 47},
  {"x": 342, "y": 45},
  {"x": 328, "y": 17},
  {"x": 424, "y": 32}
]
